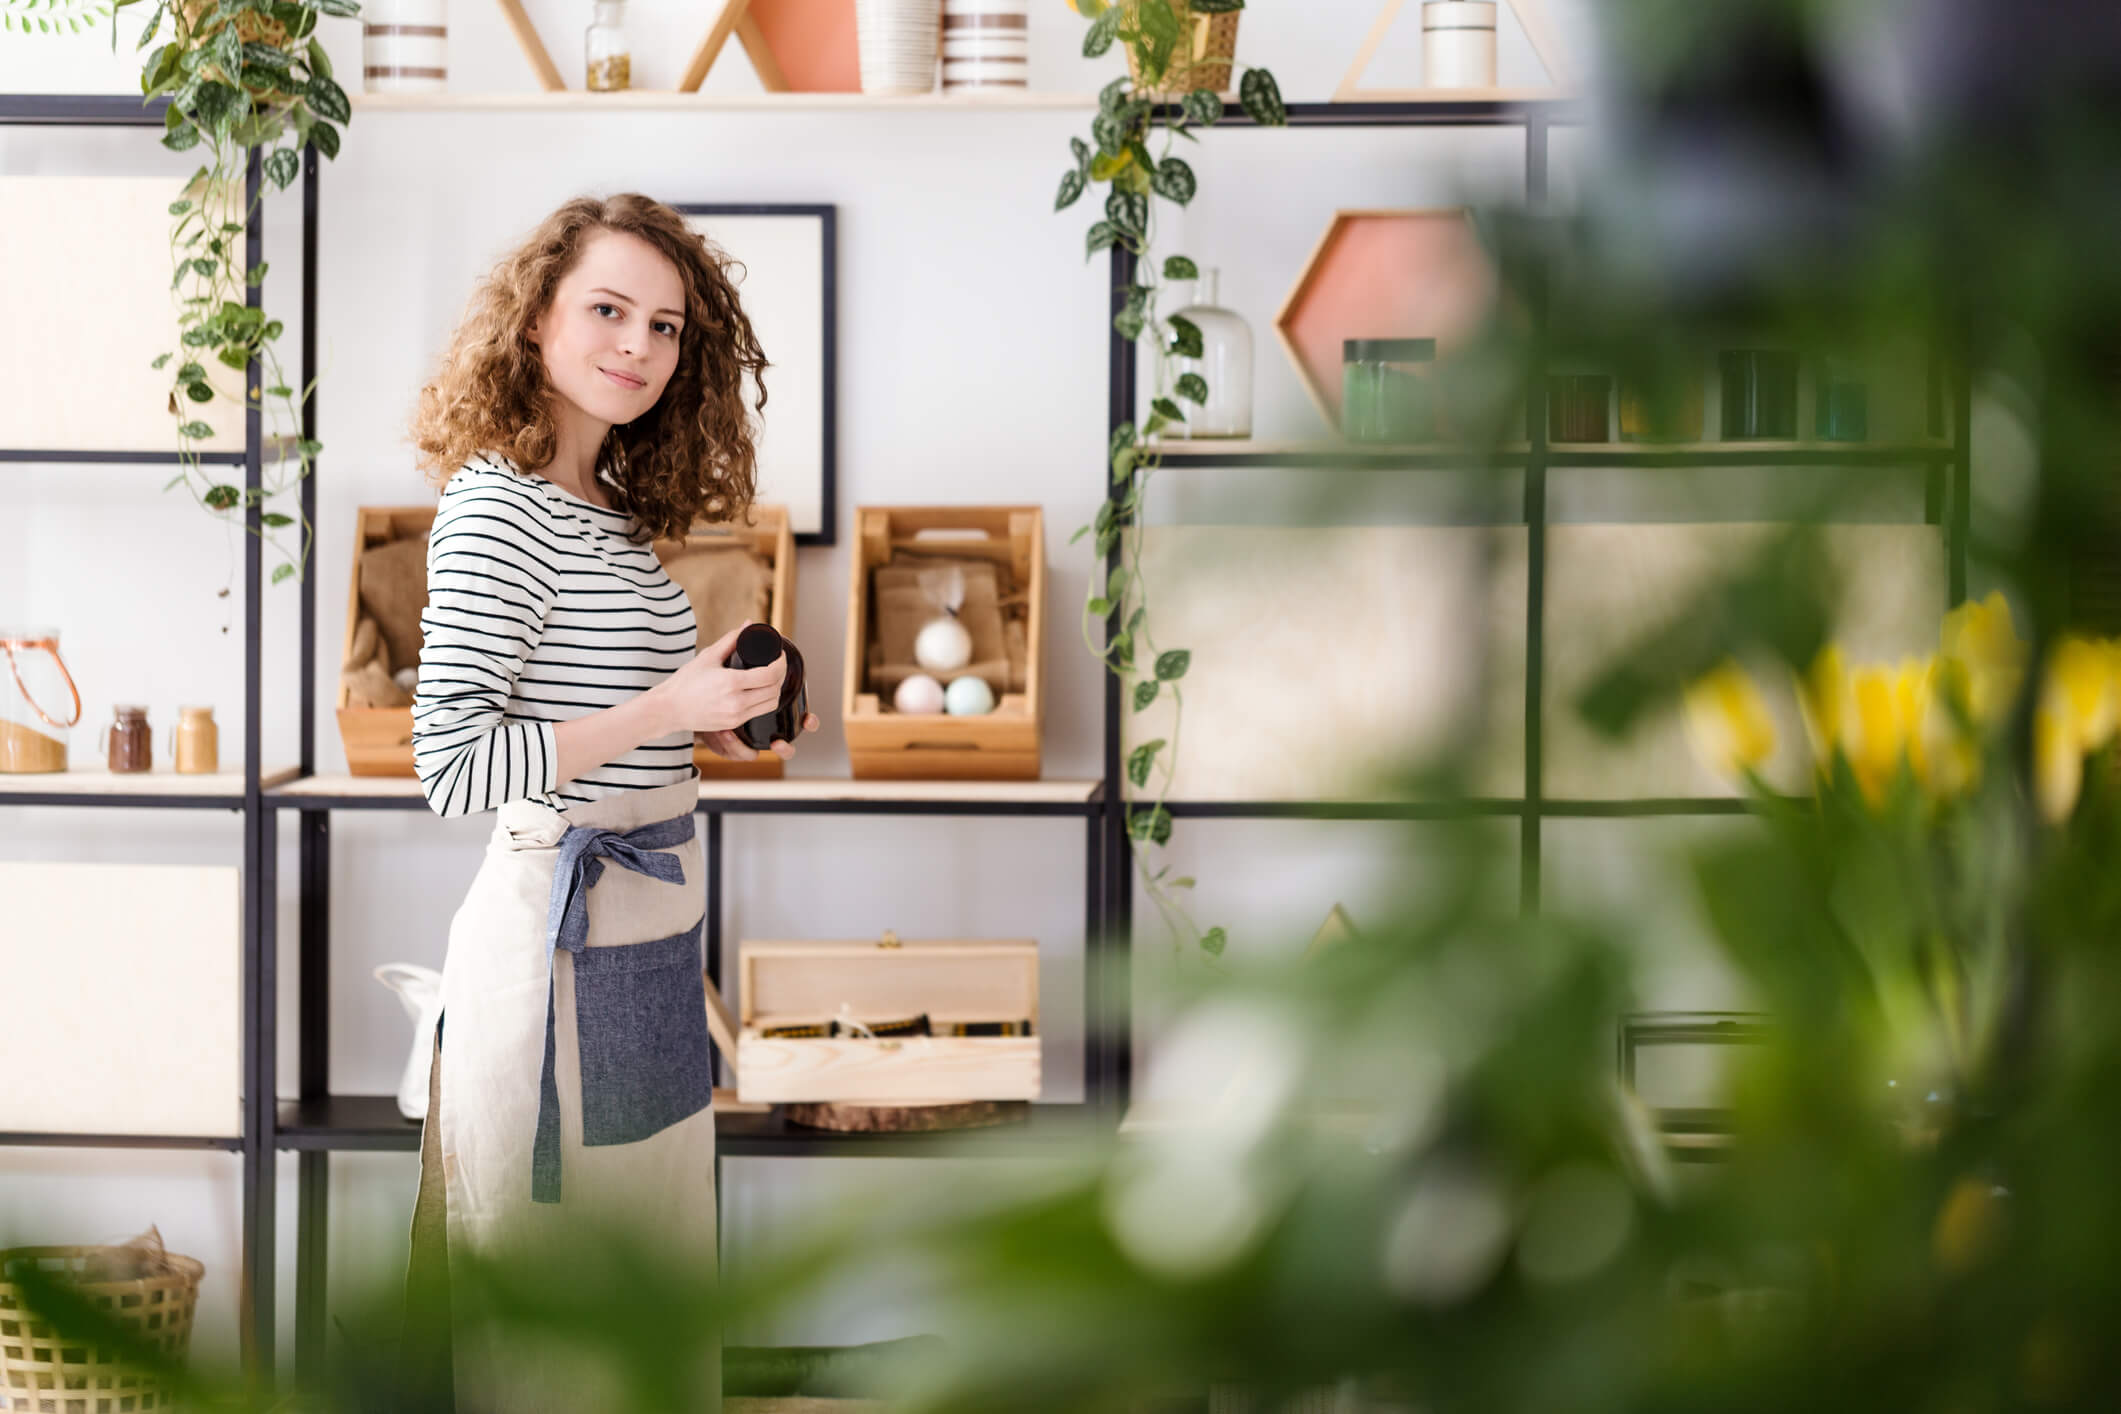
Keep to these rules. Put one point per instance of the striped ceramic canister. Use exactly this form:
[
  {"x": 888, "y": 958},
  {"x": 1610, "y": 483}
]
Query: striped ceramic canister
[
  {"x": 986, "y": 44},
  {"x": 404, "y": 46}
]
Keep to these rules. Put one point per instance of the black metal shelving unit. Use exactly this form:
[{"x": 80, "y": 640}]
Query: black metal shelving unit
[
  {"x": 317, "y": 1122},
  {"x": 253, "y": 1143},
  {"x": 1945, "y": 462}
]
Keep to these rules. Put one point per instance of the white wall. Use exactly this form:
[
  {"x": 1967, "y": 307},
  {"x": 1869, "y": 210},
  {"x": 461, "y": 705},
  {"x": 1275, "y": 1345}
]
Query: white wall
[{"x": 972, "y": 368}]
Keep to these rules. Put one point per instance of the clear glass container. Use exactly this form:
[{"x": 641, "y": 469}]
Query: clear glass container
[
  {"x": 1225, "y": 363},
  {"x": 39, "y": 704},
  {"x": 606, "y": 53}
]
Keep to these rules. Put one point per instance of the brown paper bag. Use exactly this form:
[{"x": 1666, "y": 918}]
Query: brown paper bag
[{"x": 729, "y": 585}]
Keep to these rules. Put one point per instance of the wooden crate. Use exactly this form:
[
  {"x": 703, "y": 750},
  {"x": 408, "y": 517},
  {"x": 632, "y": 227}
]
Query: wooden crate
[
  {"x": 1002, "y": 745},
  {"x": 378, "y": 740},
  {"x": 771, "y": 536},
  {"x": 951, "y": 981}
]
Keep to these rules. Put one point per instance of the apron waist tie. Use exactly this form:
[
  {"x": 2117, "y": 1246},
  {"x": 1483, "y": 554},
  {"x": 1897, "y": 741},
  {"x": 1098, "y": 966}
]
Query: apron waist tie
[{"x": 583, "y": 850}]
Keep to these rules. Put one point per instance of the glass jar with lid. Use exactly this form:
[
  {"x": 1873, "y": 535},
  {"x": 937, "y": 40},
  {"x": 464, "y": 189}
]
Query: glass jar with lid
[
  {"x": 607, "y": 54},
  {"x": 39, "y": 703},
  {"x": 1384, "y": 390}
]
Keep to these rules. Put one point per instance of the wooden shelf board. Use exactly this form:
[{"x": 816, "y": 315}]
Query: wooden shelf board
[
  {"x": 98, "y": 782},
  {"x": 666, "y": 100},
  {"x": 1864, "y": 450},
  {"x": 799, "y": 789}
]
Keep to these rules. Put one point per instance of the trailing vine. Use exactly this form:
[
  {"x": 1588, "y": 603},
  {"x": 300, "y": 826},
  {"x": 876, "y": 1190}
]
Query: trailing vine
[
  {"x": 54, "y": 16},
  {"x": 1118, "y": 154},
  {"x": 241, "y": 76}
]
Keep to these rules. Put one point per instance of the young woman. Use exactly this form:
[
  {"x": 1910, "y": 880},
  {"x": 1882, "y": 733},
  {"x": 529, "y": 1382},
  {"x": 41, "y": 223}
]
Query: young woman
[{"x": 593, "y": 399}]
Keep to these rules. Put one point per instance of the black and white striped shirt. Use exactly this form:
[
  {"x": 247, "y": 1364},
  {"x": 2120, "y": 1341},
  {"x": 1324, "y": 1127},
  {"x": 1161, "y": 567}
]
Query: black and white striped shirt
[{"x": 539, "y": 610}]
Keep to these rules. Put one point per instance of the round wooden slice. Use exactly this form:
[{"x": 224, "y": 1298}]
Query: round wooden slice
[{"x": 909, "y": 1119}]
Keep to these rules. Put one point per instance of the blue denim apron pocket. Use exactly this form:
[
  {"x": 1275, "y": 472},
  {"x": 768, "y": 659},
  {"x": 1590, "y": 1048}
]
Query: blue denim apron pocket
[
  {"x": 641, "y": 1014},
  {"x": 628, "y": 1001}
]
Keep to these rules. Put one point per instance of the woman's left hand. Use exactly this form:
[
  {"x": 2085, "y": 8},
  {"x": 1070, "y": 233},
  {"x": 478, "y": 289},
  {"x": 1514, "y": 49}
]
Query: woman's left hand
[{"x": 727, "y": 746}]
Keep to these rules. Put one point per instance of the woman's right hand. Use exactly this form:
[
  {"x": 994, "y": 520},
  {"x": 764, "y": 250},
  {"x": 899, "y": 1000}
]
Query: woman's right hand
[{"x": 704, "y": 696}]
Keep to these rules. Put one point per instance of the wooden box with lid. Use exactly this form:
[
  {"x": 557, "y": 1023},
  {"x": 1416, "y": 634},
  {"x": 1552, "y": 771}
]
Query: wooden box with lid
[
  {"x": 1001, "y": 551},
  {"x": 728, "y": 572},
  {"x": 826, "y": 1021}
]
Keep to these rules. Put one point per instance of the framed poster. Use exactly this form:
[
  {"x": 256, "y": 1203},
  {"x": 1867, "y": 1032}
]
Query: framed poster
[{"x": 788, "y": 287}]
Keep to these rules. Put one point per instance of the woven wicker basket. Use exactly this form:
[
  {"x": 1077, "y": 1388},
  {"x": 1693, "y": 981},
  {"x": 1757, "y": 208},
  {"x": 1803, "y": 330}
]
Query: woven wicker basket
[
  {"x": 39, "y": 1375},
  {"x": 1205, "y": 63}
]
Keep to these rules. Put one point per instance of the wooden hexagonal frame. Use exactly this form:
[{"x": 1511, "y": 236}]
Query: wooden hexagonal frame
[{"x": 1384, "y": 274}]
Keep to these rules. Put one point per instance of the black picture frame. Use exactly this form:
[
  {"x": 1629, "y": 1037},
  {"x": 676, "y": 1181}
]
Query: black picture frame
[{"x": 823, "y": 528}]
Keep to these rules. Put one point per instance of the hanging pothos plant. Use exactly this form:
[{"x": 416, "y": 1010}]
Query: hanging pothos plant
[
  {"x": 242, "y": 76},
  {"x": 53, "y": 16},
  {"x": 1157, "y": 39}
]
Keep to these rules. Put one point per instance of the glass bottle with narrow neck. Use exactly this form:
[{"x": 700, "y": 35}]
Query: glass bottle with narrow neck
[
  {"x": 607, "y": 56},
  {"x": 1225, "y": 363}
]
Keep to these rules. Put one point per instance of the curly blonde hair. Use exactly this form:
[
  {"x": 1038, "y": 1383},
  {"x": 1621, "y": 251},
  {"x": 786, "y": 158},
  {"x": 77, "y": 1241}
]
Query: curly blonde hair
[{"x": 691, "y": 457}]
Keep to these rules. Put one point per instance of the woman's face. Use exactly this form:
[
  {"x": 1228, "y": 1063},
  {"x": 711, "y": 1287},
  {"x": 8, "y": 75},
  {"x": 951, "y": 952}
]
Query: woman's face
[{"x": 610, "y": 339}]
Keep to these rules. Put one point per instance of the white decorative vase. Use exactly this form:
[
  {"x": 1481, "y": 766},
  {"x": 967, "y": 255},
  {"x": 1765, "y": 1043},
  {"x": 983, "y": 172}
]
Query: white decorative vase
[
  {"x": 1458, "y": 44},
  {"x": 404, "y": 46},
  {"x": 897, "y": 42},
  {"x": 986, "y": 44},
  {"x": 420, "y": 990},
  {"x": 1225, "y": 362}
]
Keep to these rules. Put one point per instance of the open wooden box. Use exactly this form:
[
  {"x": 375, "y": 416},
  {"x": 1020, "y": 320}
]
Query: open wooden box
[
  {"x": 378, "y": 740},
  {"x": 952, "y": 982},
  {"x": 884, "y": 744}
]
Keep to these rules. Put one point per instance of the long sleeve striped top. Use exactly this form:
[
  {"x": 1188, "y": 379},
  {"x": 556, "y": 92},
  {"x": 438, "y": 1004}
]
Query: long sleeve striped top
[{"x": 539, "y": 610}]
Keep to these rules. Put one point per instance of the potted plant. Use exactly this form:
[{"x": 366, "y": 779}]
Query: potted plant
[{"x": 1159, "y": 39}]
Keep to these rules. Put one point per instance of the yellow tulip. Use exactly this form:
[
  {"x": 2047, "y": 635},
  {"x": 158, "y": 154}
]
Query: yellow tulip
[
  {"x": 1987, "y": 658},
  {"x": 2058, "y": 767},
  {"x": 1727, "y": 720},
  {"x": 2078, "y": 712},
  {"x": 1822, "y": 694},
  {"x": 1883, "y": 708}
]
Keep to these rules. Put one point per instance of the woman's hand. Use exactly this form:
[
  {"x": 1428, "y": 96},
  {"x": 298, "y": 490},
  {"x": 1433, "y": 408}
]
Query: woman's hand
[
  {"x": 703, "y": 697},
  {"x": 730, "y": 747}
]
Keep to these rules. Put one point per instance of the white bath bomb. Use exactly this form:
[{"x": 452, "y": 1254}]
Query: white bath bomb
[
  {"x": 943, "y": 645},
  {"x": 407, "y": 678},
  {"x": 969, "y": 697},
  {"x": 919, "y": 696}
]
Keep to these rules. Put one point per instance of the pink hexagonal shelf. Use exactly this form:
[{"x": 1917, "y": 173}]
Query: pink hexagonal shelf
[{"x": 1384, "y": 275}]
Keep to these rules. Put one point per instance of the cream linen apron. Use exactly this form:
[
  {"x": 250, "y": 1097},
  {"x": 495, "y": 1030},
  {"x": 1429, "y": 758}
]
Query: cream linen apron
[{"x": 558, "y": 1119}]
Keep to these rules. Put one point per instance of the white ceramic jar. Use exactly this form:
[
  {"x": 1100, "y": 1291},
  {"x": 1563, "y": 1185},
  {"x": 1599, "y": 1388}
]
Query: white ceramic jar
[
  {"x": 1458, "y": 44},
  {"x": 897, "y": 41},
  {"x": 404, "y": 46}
]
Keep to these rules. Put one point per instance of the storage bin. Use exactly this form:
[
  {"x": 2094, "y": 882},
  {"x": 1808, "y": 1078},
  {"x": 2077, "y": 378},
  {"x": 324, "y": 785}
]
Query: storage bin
[
  {"x": 378, "y": 740},
  {"x": 883, "y": 744},
  {"x": 956, "y": 982}
]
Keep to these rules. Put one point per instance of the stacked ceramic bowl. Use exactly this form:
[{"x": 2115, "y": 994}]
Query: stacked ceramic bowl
[
  {"x": 897, "y": 41},
  {"x": 986, "y": 44},
  {"x": 404, "y": 46}
]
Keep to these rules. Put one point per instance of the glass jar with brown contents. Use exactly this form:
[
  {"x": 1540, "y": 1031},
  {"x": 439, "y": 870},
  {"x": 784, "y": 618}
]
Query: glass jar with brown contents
[
  {"x": 606, "y": 51},
  {"x": 128, "y": 742}
]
